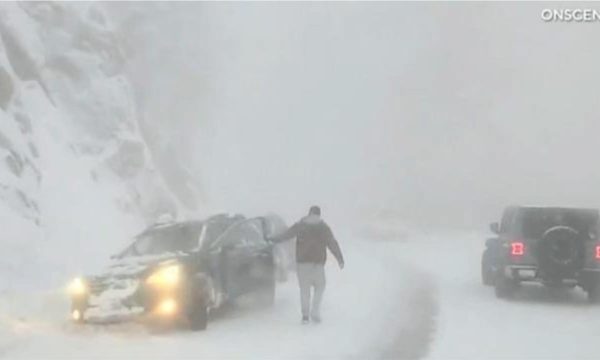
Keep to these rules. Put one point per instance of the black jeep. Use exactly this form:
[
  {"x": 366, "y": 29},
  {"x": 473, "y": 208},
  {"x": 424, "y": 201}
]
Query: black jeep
[
  {"x": 557, "y": 247},
  {"x": 176, "y": 272}
]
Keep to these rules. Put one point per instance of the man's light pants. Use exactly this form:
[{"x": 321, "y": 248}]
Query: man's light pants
[{"x": 311, "y": 276}]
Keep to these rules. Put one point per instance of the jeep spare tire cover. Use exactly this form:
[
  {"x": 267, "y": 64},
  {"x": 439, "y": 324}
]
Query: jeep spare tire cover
[{"x": 561, "y": 250}]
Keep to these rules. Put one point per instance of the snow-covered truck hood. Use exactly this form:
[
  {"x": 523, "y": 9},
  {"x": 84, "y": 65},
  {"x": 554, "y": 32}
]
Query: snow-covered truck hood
[
  {"x": 136, "y": 265},
  {"x": 112, "y": 293}
]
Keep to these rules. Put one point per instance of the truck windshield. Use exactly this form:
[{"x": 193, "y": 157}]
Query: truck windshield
[
  {"x": 167, "y": 239},
  {"x": 535, "y": 222}
]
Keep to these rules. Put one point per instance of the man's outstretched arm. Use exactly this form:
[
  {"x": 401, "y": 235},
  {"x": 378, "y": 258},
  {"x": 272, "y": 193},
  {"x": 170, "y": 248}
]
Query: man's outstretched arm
[{"x": 290, "y": 233}]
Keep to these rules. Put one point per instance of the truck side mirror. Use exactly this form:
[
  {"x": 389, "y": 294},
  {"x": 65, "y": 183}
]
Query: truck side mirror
[
  {"x": 495, "y": 227},
  {"x": 266, "y": 229}
]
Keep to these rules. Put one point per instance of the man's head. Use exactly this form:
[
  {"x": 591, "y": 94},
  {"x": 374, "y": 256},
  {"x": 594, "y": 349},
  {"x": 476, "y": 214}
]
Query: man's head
[{"x": 314, "y": 210}]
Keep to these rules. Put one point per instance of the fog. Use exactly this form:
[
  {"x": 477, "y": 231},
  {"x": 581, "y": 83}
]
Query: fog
[{"x": 440, "y": 113}]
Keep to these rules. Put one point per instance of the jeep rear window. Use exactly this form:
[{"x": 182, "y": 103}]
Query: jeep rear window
[{"x": 535, "y": 222}]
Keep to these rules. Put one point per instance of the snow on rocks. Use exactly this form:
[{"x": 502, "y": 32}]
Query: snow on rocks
[{"x": 73, "y": 163}]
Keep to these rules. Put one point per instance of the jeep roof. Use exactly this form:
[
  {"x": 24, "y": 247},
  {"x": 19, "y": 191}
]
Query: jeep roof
[{"x": 532, "y": 221}]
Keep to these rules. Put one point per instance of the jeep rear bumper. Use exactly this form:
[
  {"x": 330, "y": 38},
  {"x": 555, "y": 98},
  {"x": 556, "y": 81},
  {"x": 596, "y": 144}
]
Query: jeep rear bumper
[
  {"x": 530, "y": 273},
  {"x": 520, "y": 272}
]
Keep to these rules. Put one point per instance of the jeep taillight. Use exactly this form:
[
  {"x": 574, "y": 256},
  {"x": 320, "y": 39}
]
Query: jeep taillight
[
  {"x": 597, "y": 252},
  {"x": 517, "y": 248}
]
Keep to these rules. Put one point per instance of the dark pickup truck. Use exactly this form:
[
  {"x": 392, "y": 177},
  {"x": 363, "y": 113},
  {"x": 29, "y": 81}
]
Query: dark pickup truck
[{"x": 177, "y": 272}]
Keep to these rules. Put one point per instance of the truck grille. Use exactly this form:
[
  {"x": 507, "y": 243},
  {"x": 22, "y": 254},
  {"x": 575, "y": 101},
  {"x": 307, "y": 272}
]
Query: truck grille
[{"x": 98, "y": 285}]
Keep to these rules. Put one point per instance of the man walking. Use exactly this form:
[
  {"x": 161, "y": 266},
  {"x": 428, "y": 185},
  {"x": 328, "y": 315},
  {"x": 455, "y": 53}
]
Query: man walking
[{"x": 313, "y": 238}]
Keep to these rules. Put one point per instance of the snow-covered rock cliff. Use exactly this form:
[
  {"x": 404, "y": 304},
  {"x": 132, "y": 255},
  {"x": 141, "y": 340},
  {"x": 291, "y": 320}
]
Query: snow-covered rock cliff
[{"x": 75, "y": 173}]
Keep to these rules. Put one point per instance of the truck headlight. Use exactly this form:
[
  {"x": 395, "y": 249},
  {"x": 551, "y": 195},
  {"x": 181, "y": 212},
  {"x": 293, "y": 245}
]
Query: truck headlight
[
  {"x": 167, "y": 307},
  {"x": 168, "y": 276},
  {"x": 78, "y": 287}
]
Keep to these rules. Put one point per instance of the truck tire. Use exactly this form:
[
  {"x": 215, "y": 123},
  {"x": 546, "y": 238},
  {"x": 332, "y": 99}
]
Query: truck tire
[
  {"x": 487, "y": 275},
  {"x": 198, "y": 316}
]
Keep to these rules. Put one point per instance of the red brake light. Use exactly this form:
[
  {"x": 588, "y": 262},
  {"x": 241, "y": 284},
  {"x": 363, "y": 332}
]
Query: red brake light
[
  {"x": 517, "y": 248},
  {"x": 597, "y": 252}
]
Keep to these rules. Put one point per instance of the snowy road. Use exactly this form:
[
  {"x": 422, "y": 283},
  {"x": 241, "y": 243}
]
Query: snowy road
[{"x": 418, "y": 299}]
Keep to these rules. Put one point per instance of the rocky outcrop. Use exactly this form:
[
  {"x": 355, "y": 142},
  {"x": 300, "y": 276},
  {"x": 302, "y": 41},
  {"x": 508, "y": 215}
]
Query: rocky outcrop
[
  {"x": 73, "y": 163},
  {"x": 70, "y": 53}
]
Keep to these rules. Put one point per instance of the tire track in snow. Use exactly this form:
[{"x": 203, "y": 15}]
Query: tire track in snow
[
  {"x": 410, "y": 304},
  {"x": 414, "y": 333}
]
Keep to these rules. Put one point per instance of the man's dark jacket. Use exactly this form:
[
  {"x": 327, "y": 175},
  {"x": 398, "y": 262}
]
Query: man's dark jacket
[{"x": 313, "y": 237}]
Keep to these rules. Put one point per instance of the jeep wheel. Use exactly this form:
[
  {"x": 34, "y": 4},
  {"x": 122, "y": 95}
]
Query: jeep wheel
[
  {"x": 592, "y": 289},
  {"x": 487, "y": 276},
  {"x": 504, "y": 287},
  {"x": 593, "y": 296}
]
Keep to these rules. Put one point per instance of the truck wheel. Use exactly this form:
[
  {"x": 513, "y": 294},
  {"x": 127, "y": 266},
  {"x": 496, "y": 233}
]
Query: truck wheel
[
  {"x": 487, "y": 276},
  {"x": 197, "y": 313},
  {"x": 198, "y": 316},
  {"x": 504, "y": 287}
]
